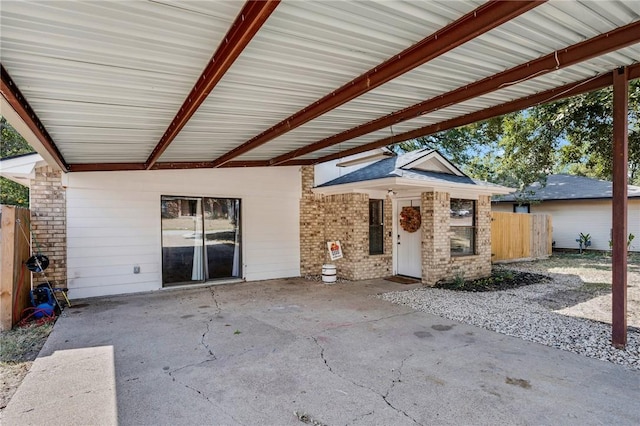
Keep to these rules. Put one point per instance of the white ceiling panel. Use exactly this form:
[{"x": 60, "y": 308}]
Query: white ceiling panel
[
  {"x": 107, "y": 78},
  {"x": 505, "y": 47},
  {"x": 570, "y": 74},
  {"x": 90, "y": 65},
  {"x": 304, "y": 52}
]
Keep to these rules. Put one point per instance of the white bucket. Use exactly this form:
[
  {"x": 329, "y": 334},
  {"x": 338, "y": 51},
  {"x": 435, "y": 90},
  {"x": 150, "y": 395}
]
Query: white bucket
[{"x": 329, "y": 274}]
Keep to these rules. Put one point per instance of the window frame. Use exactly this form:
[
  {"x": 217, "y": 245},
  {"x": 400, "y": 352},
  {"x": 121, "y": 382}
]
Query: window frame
[
  {"x": 378, "y": 227},
  {"x": 473, "y": 227},
  {"x": 527, "y": 205}
]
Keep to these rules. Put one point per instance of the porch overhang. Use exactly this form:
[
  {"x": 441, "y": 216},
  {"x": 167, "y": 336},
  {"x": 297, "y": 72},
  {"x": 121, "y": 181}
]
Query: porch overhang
[
  {"x": 111, "y": 86},
  {"x": 21, "y": 168},
  {"x": 403, "y": 187}
]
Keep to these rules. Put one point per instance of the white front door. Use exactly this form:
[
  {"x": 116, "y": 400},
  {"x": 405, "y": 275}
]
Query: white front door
[{"x": 409, "y": 244}]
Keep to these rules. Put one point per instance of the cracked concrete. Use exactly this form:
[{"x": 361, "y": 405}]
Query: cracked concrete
[
  {"x": 334, "y": 353},
  {"x": 385, "y": 397},
  {"x": 354, "y": 382}
]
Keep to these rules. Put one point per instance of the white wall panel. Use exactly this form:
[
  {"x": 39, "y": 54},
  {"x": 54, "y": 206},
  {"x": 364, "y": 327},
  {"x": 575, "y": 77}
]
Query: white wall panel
[{"x": 113, "y": 223}]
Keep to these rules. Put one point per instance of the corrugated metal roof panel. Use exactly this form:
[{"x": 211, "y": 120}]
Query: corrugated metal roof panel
[
  {"x": 529, "y": 87},
  {"x": 303, "y": 52},
  {"x": 86, "y": 66},
  {"x": 507, "y": 46},
  {"x": 106, "y": 78}
]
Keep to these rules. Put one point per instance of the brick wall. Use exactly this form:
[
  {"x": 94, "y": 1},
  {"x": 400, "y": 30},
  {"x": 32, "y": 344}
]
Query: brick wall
[
  {"x": 312, "y": 241},
  {"x": 49, "y": 223},
  {"x": 343, "y": 217},
  {"x": 437, "y": 262}
]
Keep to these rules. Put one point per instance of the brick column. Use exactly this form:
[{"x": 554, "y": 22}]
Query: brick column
[
  {"x": 312, "y": 245},
  {"x": 483, "y": 236},
  {"x": 436, "y": 246},
  {"x": 49, "y": 223}
]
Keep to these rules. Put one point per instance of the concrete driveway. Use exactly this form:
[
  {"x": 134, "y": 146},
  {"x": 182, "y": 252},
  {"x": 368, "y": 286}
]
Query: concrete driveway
[{"x": 258, "y": 353}]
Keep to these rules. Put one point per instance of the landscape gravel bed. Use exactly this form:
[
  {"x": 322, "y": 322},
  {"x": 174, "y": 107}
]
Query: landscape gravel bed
[{"x": 523, "y": 312}]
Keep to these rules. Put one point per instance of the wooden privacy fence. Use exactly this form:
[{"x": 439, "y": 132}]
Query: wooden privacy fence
[
  {"x": 520, "y": 236},
  {"x": 14, "y": 251}
]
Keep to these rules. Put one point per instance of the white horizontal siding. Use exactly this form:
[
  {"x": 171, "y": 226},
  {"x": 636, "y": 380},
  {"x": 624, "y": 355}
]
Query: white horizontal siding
[
  {"x": 570, "y": 218},
  {"x": 113, "y": 223}
]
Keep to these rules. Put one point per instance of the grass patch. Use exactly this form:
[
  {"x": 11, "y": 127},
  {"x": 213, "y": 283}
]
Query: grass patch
[
  {"x": 596, "y": 287},
  {"x": 23, "y": 343},
  {"x": 500, "y": 279}
]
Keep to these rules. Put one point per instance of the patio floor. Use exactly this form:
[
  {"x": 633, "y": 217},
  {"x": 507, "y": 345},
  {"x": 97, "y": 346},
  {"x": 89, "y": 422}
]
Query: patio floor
[{"x": 260, "y": 352}]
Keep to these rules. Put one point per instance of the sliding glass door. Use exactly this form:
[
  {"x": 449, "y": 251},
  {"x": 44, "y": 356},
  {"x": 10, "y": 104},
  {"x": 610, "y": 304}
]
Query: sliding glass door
[
  {"x": 222, "y": 237},
  {"x": 200, "y": 239}
]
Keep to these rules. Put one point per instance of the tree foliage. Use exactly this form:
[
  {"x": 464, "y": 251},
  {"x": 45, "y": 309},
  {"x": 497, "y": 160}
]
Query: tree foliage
[
  {"x": 573, "y": 136},
  {"x": 11, "y": 144}
]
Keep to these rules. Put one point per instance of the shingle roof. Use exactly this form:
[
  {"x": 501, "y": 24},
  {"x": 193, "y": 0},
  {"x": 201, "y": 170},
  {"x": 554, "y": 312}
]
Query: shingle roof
[
  {"x": 392, "y": 167},
  {"x": 568, "y": 187}
]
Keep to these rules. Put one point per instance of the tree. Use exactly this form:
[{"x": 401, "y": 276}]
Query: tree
[
  {"x": 588, "y": 127},
  {"x": 12, "y": 143},
  {"x": 573, "y": 136}
]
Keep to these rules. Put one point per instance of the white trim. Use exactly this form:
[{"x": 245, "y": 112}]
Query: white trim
[
  {"x": 21, "y": 127},
  {"x": 21, "y": 169},
  {"x": 407, "y": 186},
  {"x": 383, "y": 153},
  {"x": 432, "y": 155}
]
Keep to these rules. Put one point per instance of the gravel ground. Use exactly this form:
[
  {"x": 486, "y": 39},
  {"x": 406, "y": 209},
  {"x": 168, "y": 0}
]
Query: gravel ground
[{"x": 566, "y": 313}]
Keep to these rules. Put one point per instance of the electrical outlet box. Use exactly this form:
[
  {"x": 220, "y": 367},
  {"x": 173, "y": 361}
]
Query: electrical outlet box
[{"x": 136, "y": 269}]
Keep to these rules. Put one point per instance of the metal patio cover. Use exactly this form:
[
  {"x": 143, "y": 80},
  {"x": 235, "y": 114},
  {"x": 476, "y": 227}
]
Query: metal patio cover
[{"x": 137, "y": 85}]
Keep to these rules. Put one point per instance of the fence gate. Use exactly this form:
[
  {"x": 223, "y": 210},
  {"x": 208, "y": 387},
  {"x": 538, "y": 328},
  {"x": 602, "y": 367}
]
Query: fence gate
[
  {"x": 520, "y": 236},
  {"x": 15, "y": 279}
]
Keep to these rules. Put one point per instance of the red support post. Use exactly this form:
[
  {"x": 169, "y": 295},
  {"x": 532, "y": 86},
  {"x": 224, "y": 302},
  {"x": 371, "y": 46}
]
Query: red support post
[{"x": 619, "y": 213}]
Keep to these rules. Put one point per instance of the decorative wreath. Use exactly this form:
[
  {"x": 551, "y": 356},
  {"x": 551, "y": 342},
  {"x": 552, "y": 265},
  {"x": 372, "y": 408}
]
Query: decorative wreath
[{"x": 410, "y": 219}]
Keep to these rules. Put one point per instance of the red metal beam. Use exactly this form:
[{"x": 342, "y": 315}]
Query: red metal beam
[
  {"x": 182, "y": 165},
  {"x": 265, "y": 163},
  {"x": 115, "y": 167},
  {"x": 19, "y": 103},
  {"x": 599, "y": 45},
  {"x": 105, "y": 167},
  {"x": 486, "y": 17},
  {"x": 251, "y": 18},
  {"x": 566, "y": 91},
  {"x": 619, "y": 214}
]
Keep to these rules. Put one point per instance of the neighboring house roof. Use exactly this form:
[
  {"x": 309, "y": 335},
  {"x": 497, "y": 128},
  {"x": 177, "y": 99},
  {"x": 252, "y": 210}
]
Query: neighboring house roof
[
  {"x": 569, "y": 187},
  {"x": 424, "y": 166},
  {"x": 21, "y": 168}
]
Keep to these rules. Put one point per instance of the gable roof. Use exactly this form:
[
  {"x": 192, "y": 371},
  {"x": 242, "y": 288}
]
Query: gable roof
[
  {"x": 569, "y": 187},
  {"x": 422, "y": 166}
]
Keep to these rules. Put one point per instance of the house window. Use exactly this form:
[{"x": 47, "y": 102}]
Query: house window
[
  {"x": 522, "y": 208},
  {"x": 376, "y": 227},
  {"x": 463, "y": 227}
]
